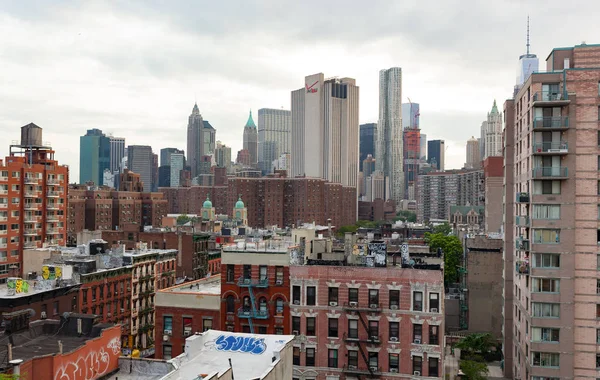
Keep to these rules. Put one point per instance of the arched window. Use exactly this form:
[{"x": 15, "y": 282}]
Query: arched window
[
  {"x": 230, "y": 303},
  {"x": 279, "y": 305},
  {"x": 246, "y": 304},
  {"x": 262, "y": 304}
]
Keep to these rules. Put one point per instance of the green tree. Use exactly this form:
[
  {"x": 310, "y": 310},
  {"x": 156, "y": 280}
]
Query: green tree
[
  {"x": 182, "y": 219},
  {"x": 452, "y": 250},
  {"x": 406, "y": 216},
  {"x": 474, "y": 370},
  {"x": 444, "y": 229},
  {"x": 480, "y": 344}
]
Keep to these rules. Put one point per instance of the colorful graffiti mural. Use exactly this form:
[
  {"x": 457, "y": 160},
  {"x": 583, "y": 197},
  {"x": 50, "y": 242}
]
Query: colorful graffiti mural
[
  {"x": 233, "y": 343},
  {"x": 50, "y": 272},
  {"x": 17, "y": 285}
]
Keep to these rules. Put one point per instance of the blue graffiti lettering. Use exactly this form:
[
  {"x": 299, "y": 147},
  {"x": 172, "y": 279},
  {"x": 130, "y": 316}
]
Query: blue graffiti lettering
[{"x": 232, "y": 343}]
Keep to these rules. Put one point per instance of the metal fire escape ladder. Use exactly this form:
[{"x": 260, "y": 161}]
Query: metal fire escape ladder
[{"x": 360, "y": 347}]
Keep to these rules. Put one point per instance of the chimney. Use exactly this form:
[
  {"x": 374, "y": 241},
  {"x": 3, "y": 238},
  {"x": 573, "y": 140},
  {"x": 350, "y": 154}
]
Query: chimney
[
  {"x": 16, "y": 367},
  {"x": 9, "y": 349},
  {"x": 60, "y": 347}
]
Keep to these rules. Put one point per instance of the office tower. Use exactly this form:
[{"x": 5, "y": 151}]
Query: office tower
[
  {"x": 368, "y": 167},
  {"x": 377, "y": 186},
  {"x": 436, "y": 151},
  {"x": 94, "y": 156},
  {"x": 164, "y": 171},
  {"x": 140, "y": 160},
  {"x": 251, "y": 140},
  {"x": 423, "y": 147},
  {"x": 165, "y": 155},
  {"x": 200, "y": 140},
  {"x": 552, "y": 231},
  {"x": 472, "y": 154},
  {"x": 223, "y": 155},
  {"x": 390, "y": 158},
  {"x": 274, "y": 136},
  {"x": 412, "y": 154},
  {"x": 368, "y": 136},
  {"x": 117, "y": 152},
  {"x": 154, "y": 172},
  {"x": 528, "y": 64},
  {"x": 410, "y": 115},
  {"x": 176, "y": 165},
  {"x": 491, "y": 134},
  {"x": 325, "y": 130},
  {"x": 33, "y": 200}
]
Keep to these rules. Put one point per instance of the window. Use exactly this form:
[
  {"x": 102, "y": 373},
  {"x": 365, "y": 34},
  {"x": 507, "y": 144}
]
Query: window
[
  {"x": 546, "y": 285},
  {"x": 597, "y": 336},
  {"x": 296, "y": 324},
  {"x": 544, "y": 334},
  {"x": 417, "y": 301},
  {"x": 374, "y": 360},
  {"x": 394, "y": 360},
  {"x": 247, "y": 272},
  {"x": 279, "y": 275},
  {"x": 545, "y": 359},
  {"x": 310, "y": 357},
  {"x": 353, "y": 295},
  {"x": 597, "y": 286},
  {"x": 262, "y": 273},
  {"x": 433, "y": 367},
  {"x": 311, "y": 295},
  {"x": 546, "y": 260},
  {"x": 55, "y": 308},
  {"x": 353, "y": 328},
  {"x": 310, "y": 326},
  {"x": 278, "y": 330},
  {"x": 352, "y": 358},
  {"x": 597, "y": 310},
  {"x": 230, "y": 273},
  {"x": 168, "y": 325},
  {"x": 332, "y": 295},
  {"x": 546, "y": 212},
  {"x": 417, "y": 363},
  {"x": 167, "y": 352},
  {"x": 296, "y": 295},
  {"x": 597, "y": 361},
  {"x": 262, "y": 329},
  {"x": 433, "y": 335},
  {"x": 546, "y": 310},
  {"x": 296, "y": 355},
  {"x": 434, "y": 302},
  {"x": 394, "y": 330},
  {"x": 279, "y": 306},
  {"x": 262, "y": 305},
  {"x": 546, "y": 187},
  {"x": 332, "y": 361},
  {"x": 207, "y": 324},
  {"x": 394, "y": 299},
  {"x": 374, "y": 297},
  {"x": 546, "y": 236},
  {"x": 417, "y": 333},
  {"x": 332, "y": 331},
  {"x": 230, "y": 304}
]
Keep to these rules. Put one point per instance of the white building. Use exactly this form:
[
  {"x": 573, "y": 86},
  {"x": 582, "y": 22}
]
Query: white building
[
  {"x": 423, "y": 146},
  {"x": 325, "y": 130},
  {"x": 108, "y": 178},
  {"x": 274, "y": 136},
  {"x": 377, "y": 187},
  {"x": 117, "y": 152},
  {"x": 283, "y": 162},
  {"x": 473, "y": 154},
  {"x": 389, "y": 145},
  {"x": 491, "y": 134},
  {"x": 177, "y": 161}
]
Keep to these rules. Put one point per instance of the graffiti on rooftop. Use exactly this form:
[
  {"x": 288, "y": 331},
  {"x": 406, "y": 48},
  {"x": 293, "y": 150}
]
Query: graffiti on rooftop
[
  {"x": 17, "y": 286},
  {"x": 233, "y": 343}
]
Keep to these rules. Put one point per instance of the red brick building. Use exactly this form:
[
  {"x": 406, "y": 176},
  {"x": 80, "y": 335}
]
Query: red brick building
[
  {"x": 255, "y": 287},
  {"x": 184, "y": 310}
]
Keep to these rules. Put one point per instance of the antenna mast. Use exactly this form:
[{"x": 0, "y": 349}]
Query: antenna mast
[{"x": 527, "y": 34}]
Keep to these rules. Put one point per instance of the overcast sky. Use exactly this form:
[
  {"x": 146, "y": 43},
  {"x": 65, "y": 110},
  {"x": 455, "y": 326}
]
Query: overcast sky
[{"x": 134, "y": 69}]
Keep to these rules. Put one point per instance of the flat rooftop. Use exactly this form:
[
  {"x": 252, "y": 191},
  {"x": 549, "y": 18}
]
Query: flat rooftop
[
  {"x": 149, "y": 251},
  {"x": 30, "y": 288},
  {"x": 210, "y": 285}
]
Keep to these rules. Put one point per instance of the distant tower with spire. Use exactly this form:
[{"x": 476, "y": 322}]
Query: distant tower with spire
[
  {"x": 528, "y": 63},
  {"x": 200, "y": 140},
  {"x": 251, "y": 140}
]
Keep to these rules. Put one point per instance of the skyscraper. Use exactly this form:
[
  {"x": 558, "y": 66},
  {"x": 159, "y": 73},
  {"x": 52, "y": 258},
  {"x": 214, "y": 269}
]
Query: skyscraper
[
  {"x": 423, "y": 150},
  {"x": 251, "y": 140},
  {"x": 223, "y": 156},
  {"x": 491, "y": 134},
  {"x": 117, "y": 151},
  {"x": 368, "y": 136},
  {"x": 164, "y": 171},
  {"x": 473, "y": 159},
  {"x": 274, "y": 136},
  {"x": 200, "y": 140},
  {"x": 325, "y": 129},
  {"x": 436, "y": 152},
  {"x": 140, "y": 160},
  {"x": 94, "y": 156},
  {"x": 389, "y": 148},
  {"x": 154, "y": 172},
  {"x": 176, "y": 165},
  {"x": 410, "y": 115},
  {"x": 528, "y": 63}
]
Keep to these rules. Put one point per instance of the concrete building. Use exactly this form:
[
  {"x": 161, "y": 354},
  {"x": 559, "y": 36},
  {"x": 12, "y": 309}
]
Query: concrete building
[
  {"x": 140, "y": 160},
  {"x": 274, "y": 136},
  {"x": 436, "y": 152},
  {"x": 491, "y": 134},
  {"x": 223, "y": 156},
  {"x": 184, "y": 310},
  {"x": 438, "y": 191},
  {"x": 473, "y": 154},
  {"x": 283, "y": 162},
  {"x": 129, "y": 181},
  {"x": 243, "y": 158},
  {"x": 377, "y": 186},
  {"x": 493, "y": 173},
  {"x": 389, "y": 146},
  {"x": 368, "y": 137},
  {"x": 251, "y": 140},
  {"x": 553, "y": 226},
  {"x": 423, "y": 150},
  {"x": 325, "y": 130},
  {"x": 94, "y": 156},
  {"x": 117, "y": 152},
  {"x": 176, "y": 165},
  {"x": 377, "y": 210},
  {"x": 200, "y": 140}
]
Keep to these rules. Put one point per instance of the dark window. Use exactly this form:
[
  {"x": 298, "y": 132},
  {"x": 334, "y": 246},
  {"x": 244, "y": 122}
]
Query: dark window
[
  {"x": 247, "y": 272},
  {"x": 279, "y": 306},
  {"x": 353, "y": 359},
  {"x": 352, "y": 295},
  {"x": 296, "y": 355},
  {"x": 245, "y": 328},
  {"x": 417, "y": 333},
  {"x": 310, "y": 326},
  {"x": 373, "y": 297},
  {"x": 433, "y": 367},
  {"x": 246, "y": 304},
  {"x": 394, "y": 360},
  {"x": 84, "y": 296},
  {"x": 206, "y": 324},
  {"x": 230, "y": 304},
  {"x": 333, "y": 295},
  {"x": 394, "y": 299},
  {"x": 296, "y": 295},
  {"x": 296, "y": 324},
  {"x": 374, "y": 330},
  {"x": 417, "y": 363},
  {"x": 332, "y": 361},
  {"x": 167, "y": 351},
  {"x": 55, "y": 308},
  {"x": 434, "y": 302},
  {"x": 353, "y": 328},
  {"x": 187, "y": 326},
  {"x": 433, "y": 335},
  {"x": 230, "y": 273},
  {"x": 546, "y": 187},
  {"x": 394, "y": 330},
  {"x": 278, "y": 330},
  {"x": 333, "y": 328},
  {"x": 374, "y": 360},
  {"x": 310, "y": 357},
  {"x": 417, "y": 301},
  {"x": 262, "y": 329},
  {"x": 262, "y": 272},
  {"x": 311, "y": 295},
  {"x": 279, "y": 275}
]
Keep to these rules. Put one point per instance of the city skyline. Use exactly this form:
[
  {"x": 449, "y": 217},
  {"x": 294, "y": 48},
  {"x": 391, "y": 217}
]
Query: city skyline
[{"x": 146, "y": 97}]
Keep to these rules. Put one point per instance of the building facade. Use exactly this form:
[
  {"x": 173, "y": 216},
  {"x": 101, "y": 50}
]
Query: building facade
[
  {"x": 94, "y": 156},
  {"x": 200, "y": 140},
  {"x": 251, "y": 140},
  {"x": 368, "y": 137},
  {"x": 491, "y": 134},
  {"x": 117, "y": 152},
  {"x": 164, "y": 170},
  {"x": 473, "y": 160},
  {"x": 412, "y": 155},
  {"x": 493, "y": 173},
  {"x": 177, "y": 164},
  {"x": 436, "y": 154},
  {"x": 410, "y": 115},
  {"x": 223, "y": 155},
  {"x": 274, "y": 136},
  {"x": 140, "y": 160}
]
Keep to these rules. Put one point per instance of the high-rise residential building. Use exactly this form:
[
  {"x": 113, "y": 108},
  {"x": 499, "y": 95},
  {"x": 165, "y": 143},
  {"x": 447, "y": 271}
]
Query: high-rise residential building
[
  {"x": 33, "y": 200},
  {"x": 117, "y": 152},
  {"x": 389, "y": 146},
  {"x": 436, "y": 152},
  {"x": 164, "y": 171},
  {"x": 493, "y": 172},
  {"x": 410, "y": 115},
  {"x": 491, "y": 134},
  {"x": 274, "y": 136},
  {"x": 368, "y": 167},
  {"x": 223, "y": 155},
  {"x": 141, "y": 160},
  {"x": 251, "y": 140},
  {"x": 94, "y": 156},
  {"x": 325, "y": 130},
  {"x": 368, "y": 137},
  {"x": 176, "y": 165},
  {"x": 551, "y": 225},
  {"x": 472, "y": 154},
  {"x": 423, "y": 150},
  {"x": 200, "y": 140},
  {"x": 412, "y": 158}
]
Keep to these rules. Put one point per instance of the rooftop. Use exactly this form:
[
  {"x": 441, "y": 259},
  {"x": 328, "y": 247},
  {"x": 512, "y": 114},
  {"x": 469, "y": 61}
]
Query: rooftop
[
  {"x": 17, "y": 287},
  {"x": 210, "y": 285},
  {"x": 151, "y": 251},
  {"x": 271, "y": 246}
]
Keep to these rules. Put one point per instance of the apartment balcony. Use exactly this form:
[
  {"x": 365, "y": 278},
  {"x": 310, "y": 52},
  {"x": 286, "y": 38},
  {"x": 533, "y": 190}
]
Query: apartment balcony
[
  {"x": 53, "y": 218},
  {"x": 31, "y": 219},
  {"x": 52, "y": 206},
  {"x": 550, "y": 98},
  {"x": 522, "y": 244},
  {"x": 522, "y": 267},
  {"x": 522, "y": 198},
  {"x": 3, "y": 218},
  {"x": 355, "y": 306},
  {"x": 522, "y": 221},
  {"x": 3, "y": 179},
  {"x": 31, "y": 232},
  {"x": 354, "y": 370},
  {"x": 53, "y": 194},
  {"x": 53, "y": 182},
  {"x": 30, "y": 244},
  {"x": 248, "y": 282},
  {"x": 32, "y": 206},
  {"x": 550, "y": 123},
  {"x": 31, "y": 194},
  {"x": 3, "y": 192},
  {"x": 256, "y": 314},
  {"x": 550, "y": 148},
  {"x": 550, "y": 172},
  {"x": 53, "y": 231},
  {"x": 30, "y": 181}
]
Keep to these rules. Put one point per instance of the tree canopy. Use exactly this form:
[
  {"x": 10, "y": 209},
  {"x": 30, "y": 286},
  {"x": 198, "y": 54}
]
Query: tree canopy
[
  {"x": 444, "y": 229},
  {"x": 182, "y": 219},
  {"x": 406, "y": 216},
  {"x": 474, "y": 370},
  {"x": 452, "y": 250}
]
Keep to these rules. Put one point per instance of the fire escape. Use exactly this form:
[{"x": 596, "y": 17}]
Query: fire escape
[
  {"x": 373, "y": 338},
  {"x": 250, "y": 311}
]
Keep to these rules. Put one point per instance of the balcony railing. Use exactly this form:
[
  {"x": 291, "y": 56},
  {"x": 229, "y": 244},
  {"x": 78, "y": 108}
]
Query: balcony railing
[
  {"x": 53, "y": 181},
  {"x": 548, "y": 123},
  {"x": 550, "y": 147},
  {"x": 248, "y": 282},
  {"x": 31, "y": 194},
  {"x": 53, "y": 194},
  {"x": 551, "y": 96},
  {"x": 522, "y": 221},
  {"x": 550, "y": 172},
  {"x": 30, "y": 181},
  {"x": 32, "y": 206},
  {"x": 31, "y": 232},
  {"x": 256, "y": 314},
  {"x": 30, "y": 244},
  {"x": 52, "y": 206},
  {"x": 522, "y": 244},
  {"x": 522, "y": 267},
  {"x": 522, "y": 197}
]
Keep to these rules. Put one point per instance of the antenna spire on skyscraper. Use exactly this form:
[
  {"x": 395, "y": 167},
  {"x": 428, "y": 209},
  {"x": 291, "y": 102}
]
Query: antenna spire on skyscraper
[{"x": 527, "y": 34}]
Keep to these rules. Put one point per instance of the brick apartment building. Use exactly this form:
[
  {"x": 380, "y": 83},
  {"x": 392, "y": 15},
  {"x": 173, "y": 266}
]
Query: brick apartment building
[
  {"x": 271, "y": 201},
  {"x": 255, "y": 287},
  {"x": 183, "y": 310},
  {"x": 33, "y": 199}
]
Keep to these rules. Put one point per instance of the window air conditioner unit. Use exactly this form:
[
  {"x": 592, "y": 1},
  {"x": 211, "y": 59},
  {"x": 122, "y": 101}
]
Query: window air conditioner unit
[
  {"x": 434, "y": 310},
  {"x": 351, "y": 367},
  {"x": 374, "y": 306},
  {"x": 165, "y": 338},
  {"x": 373, "y": 369},
  {"x": 122, "y": 310},
  {"x": 332, "y": 303},
  {"x": 43, "y": 315},
  {"x": 354, "y": 304},
  {"x": 187, "y": 333},
  {"x": 295, "y": 332},
  {"x": 417, "y": 373},
  {"x": 168, "y": 332},
  {"x": 394, "y": 339},
  {"x": 394, "y": 307},
  {"x": 394, "y": 370},
  {"x": 279, "y": 282},
  {"x": 417, "y": 341},
  {"x": 296, "y": 302}
]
